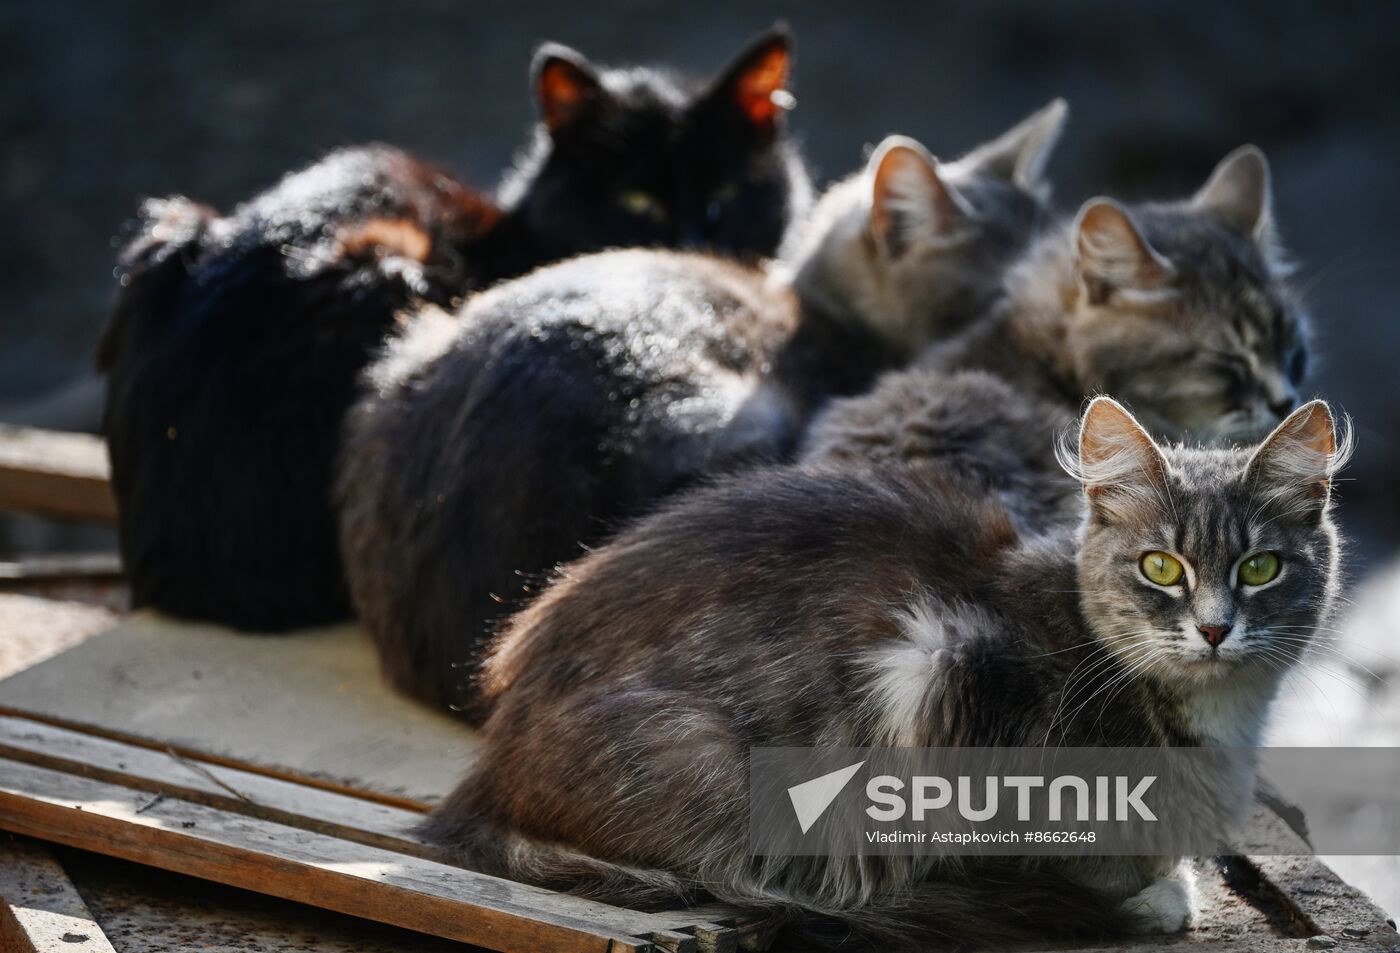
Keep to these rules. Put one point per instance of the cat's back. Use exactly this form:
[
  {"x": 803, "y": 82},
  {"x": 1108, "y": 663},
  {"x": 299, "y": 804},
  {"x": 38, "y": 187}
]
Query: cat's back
[
  {"x": 383, "y": 226},
  {"x": 641, "y": 291},
  {"x": 974, "y": 428},
  {"x": 785, "y": 570},
  {"x": 634, "y": 318}
]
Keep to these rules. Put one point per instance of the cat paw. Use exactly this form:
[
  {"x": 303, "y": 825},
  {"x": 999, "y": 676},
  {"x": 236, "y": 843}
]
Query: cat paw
[{"x": 1164, "y": 906}]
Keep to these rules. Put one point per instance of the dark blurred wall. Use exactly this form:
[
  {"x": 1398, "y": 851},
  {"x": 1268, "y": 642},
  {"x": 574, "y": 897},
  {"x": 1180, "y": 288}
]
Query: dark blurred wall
[{"x": 102, "y": 103}]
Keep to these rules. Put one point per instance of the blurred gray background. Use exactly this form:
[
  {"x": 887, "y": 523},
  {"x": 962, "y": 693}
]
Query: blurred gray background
[{"x": 103, "y": 103}]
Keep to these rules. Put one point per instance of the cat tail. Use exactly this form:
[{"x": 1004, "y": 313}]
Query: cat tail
[
  {"x": 972, "y": 911},
  {"x": 153, "y": 265}
]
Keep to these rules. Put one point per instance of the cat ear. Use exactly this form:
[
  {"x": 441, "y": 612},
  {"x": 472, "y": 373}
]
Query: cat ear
[
  {"x": 754, "y": 85},
  {"x": 1118, "y": 465},
  {"x": 911, "y": 200},
  {"x": 1238, "y": 193},
  {"x": 1111, "y": 253},
  {"x": 1295, "y": 464},
  {"x": 566, "y": 83},
  {"x": 1020, "y": 154}
]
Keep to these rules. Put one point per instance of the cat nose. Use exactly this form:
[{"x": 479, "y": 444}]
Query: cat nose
[
  {"x": 1213, "y": 634},
  {"x": 1282, "y": 406}
]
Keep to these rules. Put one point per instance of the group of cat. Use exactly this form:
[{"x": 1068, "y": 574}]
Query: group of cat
[{"x": 346, "y": 394}]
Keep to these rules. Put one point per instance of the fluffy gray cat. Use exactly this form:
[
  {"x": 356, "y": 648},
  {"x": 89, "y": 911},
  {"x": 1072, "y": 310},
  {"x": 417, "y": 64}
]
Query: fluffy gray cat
[
  {"x": 494, "y": 444},
  {"x": 807, "y": 606},
  {"x": 1182, "y": 310}
]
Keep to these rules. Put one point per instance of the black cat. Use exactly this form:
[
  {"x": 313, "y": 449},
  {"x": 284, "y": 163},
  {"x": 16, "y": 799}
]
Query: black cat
[{"x": 236, "y": 341}]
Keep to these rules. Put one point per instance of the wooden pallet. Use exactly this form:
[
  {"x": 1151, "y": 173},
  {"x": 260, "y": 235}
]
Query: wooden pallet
[{"x": 333, "y": 850}]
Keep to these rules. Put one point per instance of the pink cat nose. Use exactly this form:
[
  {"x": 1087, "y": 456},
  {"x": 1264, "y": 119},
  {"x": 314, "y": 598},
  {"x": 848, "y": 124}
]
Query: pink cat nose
[{"x": 1214, "y": 634}]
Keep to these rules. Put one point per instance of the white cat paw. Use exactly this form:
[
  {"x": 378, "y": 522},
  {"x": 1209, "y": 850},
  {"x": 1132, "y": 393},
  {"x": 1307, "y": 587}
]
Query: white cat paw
[{"x": 1164, "y": 906}]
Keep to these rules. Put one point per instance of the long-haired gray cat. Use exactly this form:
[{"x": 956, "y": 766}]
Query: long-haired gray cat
[
  {"x": 1182, "y": 310},
  {"x": 823, "y": 606},
  {"x": 494, "y": 444}
]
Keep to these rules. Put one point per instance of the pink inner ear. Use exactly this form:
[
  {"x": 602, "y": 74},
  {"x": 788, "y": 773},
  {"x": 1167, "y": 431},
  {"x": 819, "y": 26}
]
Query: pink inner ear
[{"x": 754, "y": 88}]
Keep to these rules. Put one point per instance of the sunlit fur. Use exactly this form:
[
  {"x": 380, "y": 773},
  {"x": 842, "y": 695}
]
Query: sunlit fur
[
  {"x": 1182, "y": 310},
  {"x": 941, "y": 269},
  {"x": 236, "y": 342},
  {"x": 1213, "y": 349},
  {"x": 577, "y": 397},
  {"x": 816, "y": 605},
  {"x": 1210, "y": 508}
]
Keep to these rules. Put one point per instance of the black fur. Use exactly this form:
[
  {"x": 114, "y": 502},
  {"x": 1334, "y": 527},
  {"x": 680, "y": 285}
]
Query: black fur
[
  {"x": 234, "y": 348},
  {"x": 231, "y": 356},
  {"x": 495, "y": 444}
]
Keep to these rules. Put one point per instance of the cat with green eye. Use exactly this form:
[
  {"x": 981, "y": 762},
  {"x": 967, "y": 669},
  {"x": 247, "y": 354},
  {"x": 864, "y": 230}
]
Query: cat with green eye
[
  {"x": 888, "y": 606},
  {"x": 1164, "y": 569},
  {"x": 494, "y": 445}
]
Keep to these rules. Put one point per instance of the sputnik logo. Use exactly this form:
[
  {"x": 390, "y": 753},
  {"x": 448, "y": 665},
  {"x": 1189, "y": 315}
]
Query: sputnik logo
[{"x": 810, "y": 799}]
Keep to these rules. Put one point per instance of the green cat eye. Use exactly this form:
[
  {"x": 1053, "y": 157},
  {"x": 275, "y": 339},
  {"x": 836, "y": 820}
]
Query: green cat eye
[
  {"x": 1164, "y": 569},
  {"x": 1259, "y": 569},
  {"x": 641, "y": 203}
]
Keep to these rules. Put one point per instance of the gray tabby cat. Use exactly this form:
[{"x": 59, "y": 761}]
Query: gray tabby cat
[
  {"x": 1182, "y": 310},
  {"x": 494, "y": 444},
  {"x": 806, "y": 606}
]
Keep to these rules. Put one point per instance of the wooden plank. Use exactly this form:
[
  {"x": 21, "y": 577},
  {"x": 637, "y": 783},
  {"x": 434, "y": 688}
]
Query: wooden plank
[
  {"x": 167, "y": 772},
  {"x": 316, "y": 869},
  {"x": 61, "y": 475},
  {"x": 40, "y": 909},
  {"x": 143, "y": 910},
  {"x": 206, "y": 689},
  {"x": 62, "y": 567}
]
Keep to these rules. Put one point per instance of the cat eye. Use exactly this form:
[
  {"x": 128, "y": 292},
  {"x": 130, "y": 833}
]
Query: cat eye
[
  {"x": 1259, "y": 569},
  {"x": 641, "y": 203},
  {"x": 1162, "y": 569}
]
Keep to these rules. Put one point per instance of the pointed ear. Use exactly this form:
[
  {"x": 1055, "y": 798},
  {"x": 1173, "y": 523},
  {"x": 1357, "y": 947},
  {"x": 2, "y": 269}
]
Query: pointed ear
[
  {"x": 566, "y": 84},
  {"x": 1295, "y": 464},
  {"x": 754, "y": 85},
  {"x": 1120, "y": 468},
  {"x": 1019, "y": 155},
  {"x": 1111, "y": 253},
  {"x": 1238, "y": 193},
  {"x": 910, "y": 199}
]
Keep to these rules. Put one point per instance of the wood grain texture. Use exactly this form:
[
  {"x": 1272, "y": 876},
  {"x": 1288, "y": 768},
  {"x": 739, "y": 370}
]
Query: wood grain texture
[
  {"x": 143, "y": 910},
  {"x": 192, "y": 779},
  {"x": 317, "y": 869},
  {"x": 313, "y": 706},
  {"x": 40, "y": 909},
  {"x": 61, "y": 475}
]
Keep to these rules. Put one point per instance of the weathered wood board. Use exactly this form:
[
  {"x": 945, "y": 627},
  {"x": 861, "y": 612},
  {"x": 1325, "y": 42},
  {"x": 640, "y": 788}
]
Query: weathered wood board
[
  {"x": 143, "y": 910},
  {"x": 311, "y": 704},
  {"x": 318, "y": 869},
  {"x": 62, "y": 475},
  {"x": 246, "y": 719}
]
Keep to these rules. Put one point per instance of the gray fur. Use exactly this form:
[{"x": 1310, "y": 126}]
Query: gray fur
[
  {"x": 811, "y": 605},
  {"x": 495, "y": 444},
  {"x": 1181, "y": 310}
]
